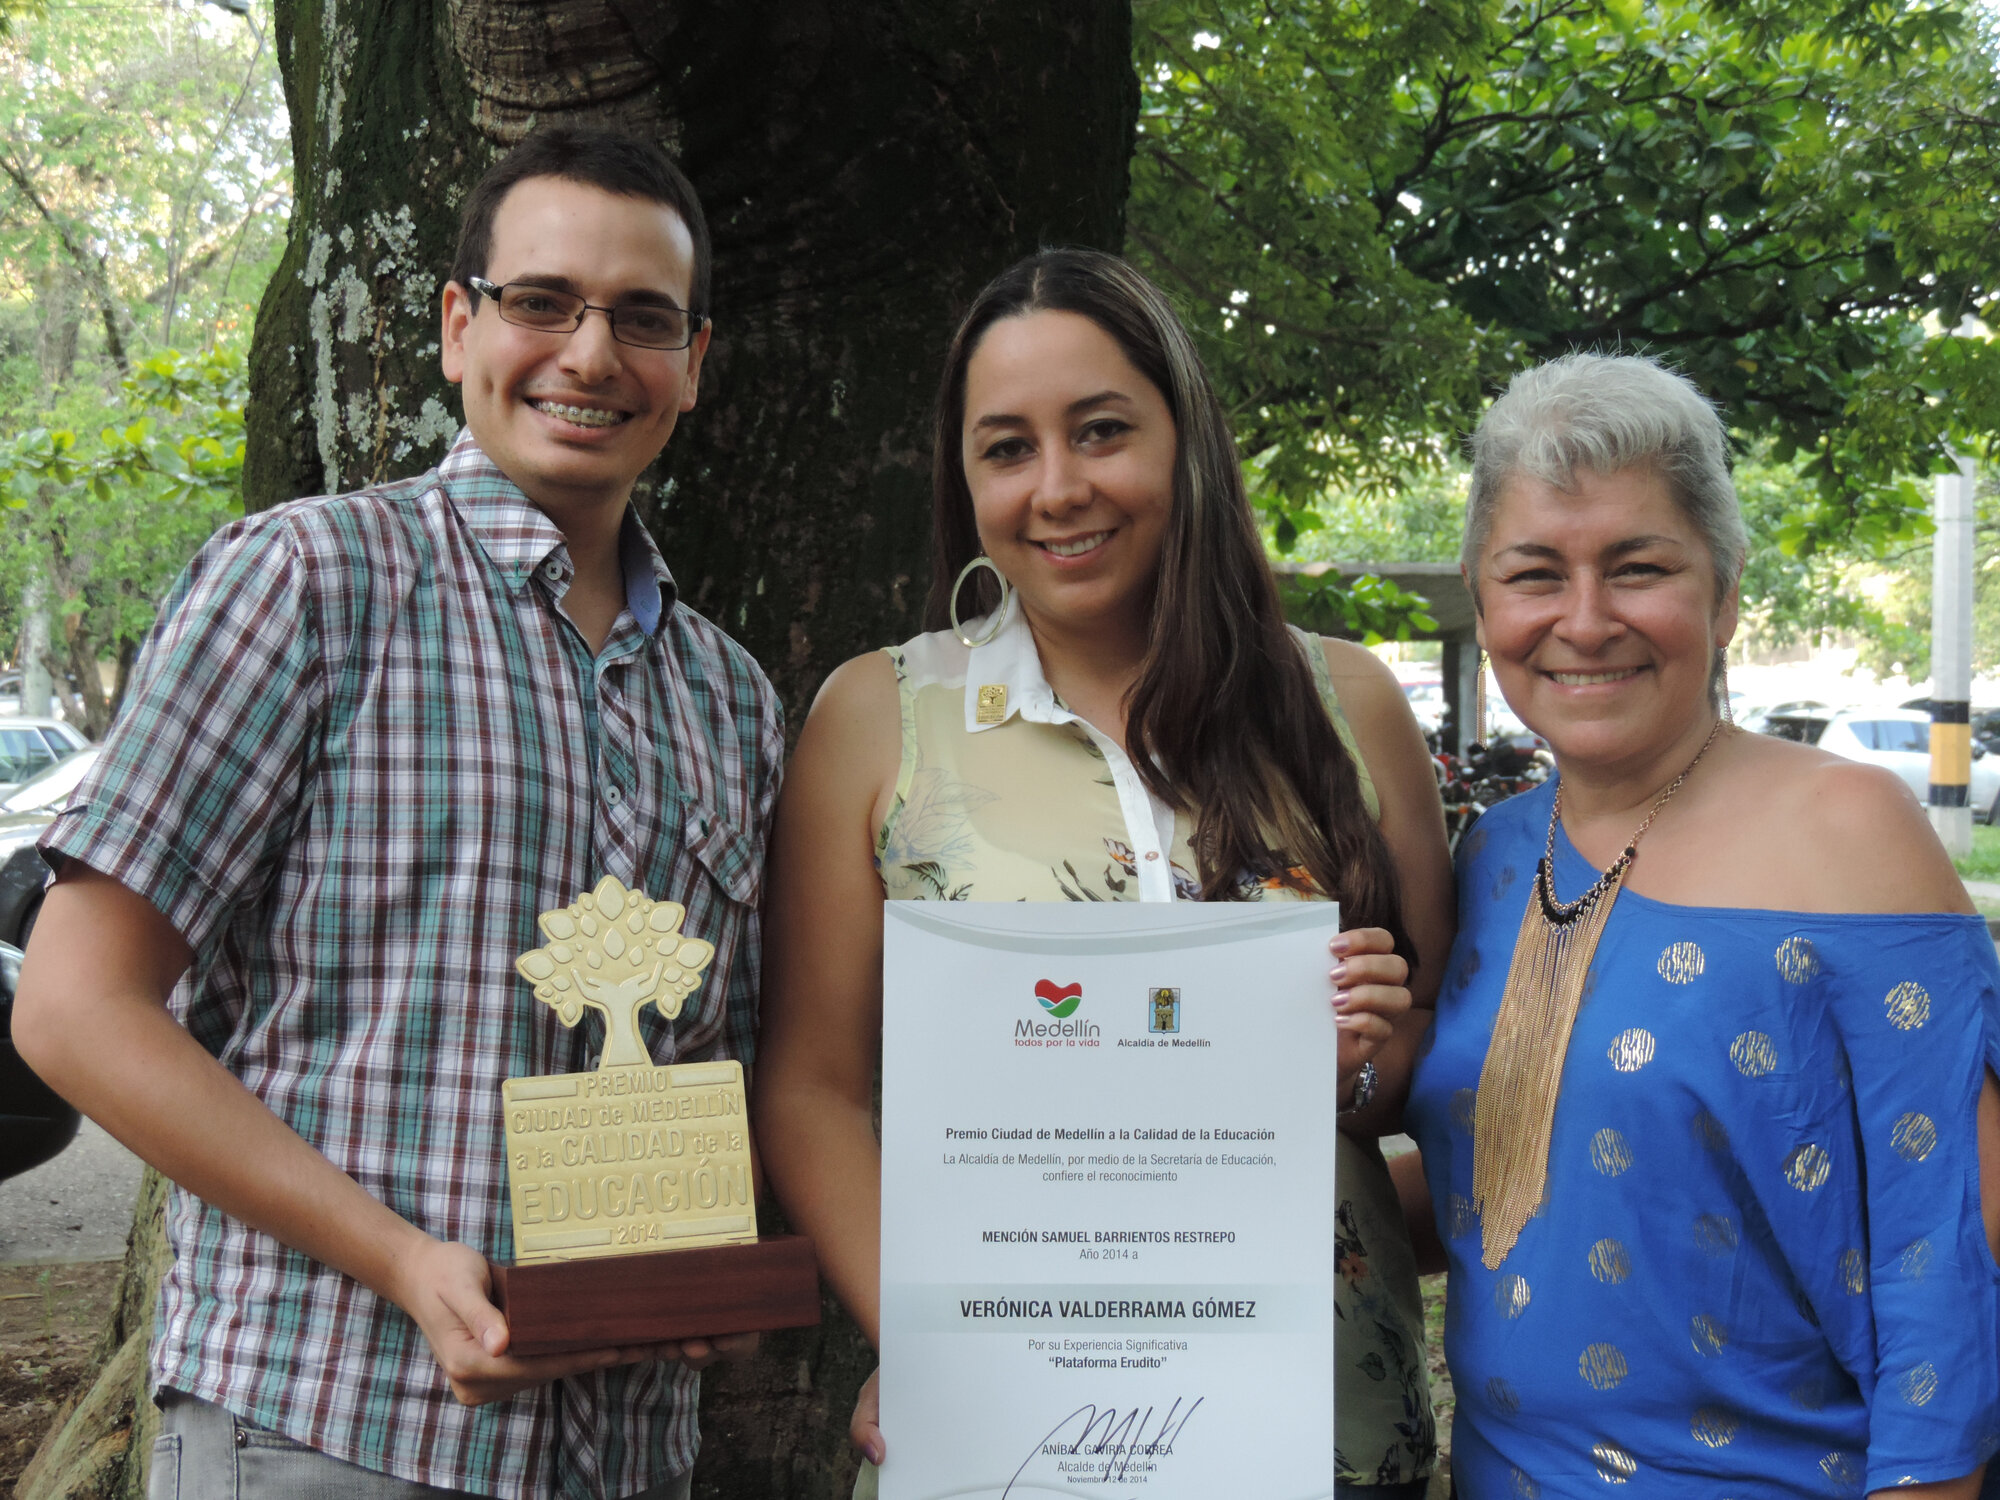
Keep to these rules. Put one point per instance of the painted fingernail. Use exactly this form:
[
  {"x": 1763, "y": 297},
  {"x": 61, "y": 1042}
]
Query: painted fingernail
[
  {"x": 1337, "y": 973},
  {"x": 1340, "y": 943},
  {"x": 875, "y": 1454}
]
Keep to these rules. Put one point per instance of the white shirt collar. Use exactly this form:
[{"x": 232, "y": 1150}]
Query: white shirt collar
[
  {"x": 1010, "y": 664},
  {"x": 1004, "y": 677}
]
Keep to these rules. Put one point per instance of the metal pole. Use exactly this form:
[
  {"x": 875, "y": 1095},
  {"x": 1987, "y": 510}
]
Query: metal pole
[{"x": 1951, "y": 661}]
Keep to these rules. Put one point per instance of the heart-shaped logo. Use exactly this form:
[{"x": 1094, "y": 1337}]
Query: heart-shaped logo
[{"x": 1058, "y": 1000}]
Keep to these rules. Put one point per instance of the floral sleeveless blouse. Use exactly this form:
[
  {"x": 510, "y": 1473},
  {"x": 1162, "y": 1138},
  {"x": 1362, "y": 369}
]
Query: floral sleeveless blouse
[{"x": 1005, "y": 795}]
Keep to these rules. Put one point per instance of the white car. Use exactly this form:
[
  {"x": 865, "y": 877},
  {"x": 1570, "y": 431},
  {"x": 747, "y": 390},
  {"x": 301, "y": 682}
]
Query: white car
[
  {"x": 31, "y": 745},
  {"x": 1898, "y": 738}
]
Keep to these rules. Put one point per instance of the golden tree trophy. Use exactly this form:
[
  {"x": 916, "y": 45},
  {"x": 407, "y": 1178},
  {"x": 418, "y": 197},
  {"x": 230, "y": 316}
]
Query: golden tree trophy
[{"x": 634, "y": 1220}]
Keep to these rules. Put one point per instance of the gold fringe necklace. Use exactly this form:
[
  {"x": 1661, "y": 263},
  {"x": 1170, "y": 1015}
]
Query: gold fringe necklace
[{"x": 1515, "y": 1111}]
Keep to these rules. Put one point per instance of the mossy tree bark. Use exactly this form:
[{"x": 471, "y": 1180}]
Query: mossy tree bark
[{"x": 866, "y": 167}]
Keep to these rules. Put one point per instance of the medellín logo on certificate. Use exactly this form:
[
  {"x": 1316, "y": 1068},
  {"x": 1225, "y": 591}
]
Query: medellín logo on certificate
[
  {"x": 1059, "y": 1000},
  {"x": 1059, "y": 1004},
  {"x": 1163, "y": 1010}
]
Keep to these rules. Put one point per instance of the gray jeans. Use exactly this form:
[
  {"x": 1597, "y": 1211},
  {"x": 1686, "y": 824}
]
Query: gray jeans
[{"x": 205, "y": 1453}]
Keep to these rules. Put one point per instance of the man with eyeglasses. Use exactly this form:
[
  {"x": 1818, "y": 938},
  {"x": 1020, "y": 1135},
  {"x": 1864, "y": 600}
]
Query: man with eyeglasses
[{"x": 372, "y": 737}]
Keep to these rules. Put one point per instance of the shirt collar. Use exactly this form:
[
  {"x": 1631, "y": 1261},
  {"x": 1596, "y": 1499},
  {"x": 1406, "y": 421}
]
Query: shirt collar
[
  {"x": 519, "y": 538},
  {"x": 1007, "y": 671}
]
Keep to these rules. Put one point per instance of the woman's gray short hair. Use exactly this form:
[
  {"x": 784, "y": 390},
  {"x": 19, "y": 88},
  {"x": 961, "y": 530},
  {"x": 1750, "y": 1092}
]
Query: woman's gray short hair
[{"x": 1608, "y": 413}]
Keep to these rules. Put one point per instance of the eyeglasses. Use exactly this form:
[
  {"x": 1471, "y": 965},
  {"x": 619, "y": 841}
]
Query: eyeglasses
[{"x": 644, "y": 325}]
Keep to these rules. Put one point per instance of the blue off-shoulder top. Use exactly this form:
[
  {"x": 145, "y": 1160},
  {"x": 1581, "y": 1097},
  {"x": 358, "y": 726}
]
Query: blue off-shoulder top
[{"x": 1761, "y": 1268}]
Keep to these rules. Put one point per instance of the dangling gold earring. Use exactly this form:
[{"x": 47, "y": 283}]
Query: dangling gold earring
[
  {"x": 1722, "y": 682},
  {"x": 999, "y": 611},
  {"x": 1478, "y": 736}
]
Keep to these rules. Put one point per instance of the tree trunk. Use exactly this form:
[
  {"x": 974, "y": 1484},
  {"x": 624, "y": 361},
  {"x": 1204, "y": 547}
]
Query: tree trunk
[
  {"x": 59, "y": 319},
  {"x": 866, "y": 167},
  {"x": 97, "y": 1446}
]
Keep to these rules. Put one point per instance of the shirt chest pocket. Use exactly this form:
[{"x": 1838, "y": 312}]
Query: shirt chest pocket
[{"x": 728, "y": 855}]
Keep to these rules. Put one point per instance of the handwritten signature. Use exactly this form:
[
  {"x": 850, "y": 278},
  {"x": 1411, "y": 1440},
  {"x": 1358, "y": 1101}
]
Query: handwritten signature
[{"x": 1104, "y": 1430}]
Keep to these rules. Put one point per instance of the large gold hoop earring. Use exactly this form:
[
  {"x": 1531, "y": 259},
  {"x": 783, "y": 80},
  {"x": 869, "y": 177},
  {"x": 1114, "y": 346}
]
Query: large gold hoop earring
[{"x": 999, "y": 612}]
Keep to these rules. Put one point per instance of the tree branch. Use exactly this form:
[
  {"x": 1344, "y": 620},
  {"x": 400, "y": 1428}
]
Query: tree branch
[{"x": 86, "y": 261}]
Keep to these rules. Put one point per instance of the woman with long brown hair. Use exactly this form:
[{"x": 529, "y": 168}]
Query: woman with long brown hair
[{"x": 1128, "y": 717}]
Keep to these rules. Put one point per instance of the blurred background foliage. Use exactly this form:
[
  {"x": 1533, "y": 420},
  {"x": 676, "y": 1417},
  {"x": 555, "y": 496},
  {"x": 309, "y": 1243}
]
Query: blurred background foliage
[
  {"x": 1375, "y": 212},
  {"x": 145, "y": 185}
]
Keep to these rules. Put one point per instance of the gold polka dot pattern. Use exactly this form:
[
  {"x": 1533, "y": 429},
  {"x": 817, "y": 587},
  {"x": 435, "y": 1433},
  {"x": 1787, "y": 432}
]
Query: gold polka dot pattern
[
  {"x": 1915, "y": 1261},
  {"x": 1609, "y": 1153},
  {"x": 1500, "y": 1391},
  {"x": 1807, "y": 1167},
  {"x": 1460, "y": 1216},
  {"x": 1918, "y": 1384},
  {"x": 1854, "y": 1271},
  {"x": 1464, "y": 1103},
  {"x": 1614, "y": 1463},
  {"x": 1914, "y": 1136},
  {"x": 1707, "y": 1334},
  {"x": 1908, "y": 1006},
  {"x": 1808, "y": 1395},
  {"x": 1715, "y": 1235},
  {"x": 1797, "y": 962},
  {"x": 1713, "y": 1427},
  {"x": 1710, "y": 1132},
  {"x": 1602, "y": 1367},
  {"x": 1521, "y": 1487},
  {"x": 1609, "y": 1262},
  {"x": 1511, "y": 1296},
  {"x": 1681, "y": 963},
  {"x": 1753, "y": 1054},
  {"x": 1843, "y": 1470},
  {"x": 1631, "y": 1050}
]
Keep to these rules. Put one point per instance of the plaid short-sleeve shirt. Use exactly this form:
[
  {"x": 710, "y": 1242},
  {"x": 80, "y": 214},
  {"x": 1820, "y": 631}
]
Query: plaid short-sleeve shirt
[{"x": 362, "y": 751}]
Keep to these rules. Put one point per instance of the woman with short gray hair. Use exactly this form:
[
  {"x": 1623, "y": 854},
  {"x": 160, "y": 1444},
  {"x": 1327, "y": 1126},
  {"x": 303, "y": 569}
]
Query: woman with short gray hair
[
  {"x": 1710, "y": 1103},
  {"x": 1606, "y": 413}
]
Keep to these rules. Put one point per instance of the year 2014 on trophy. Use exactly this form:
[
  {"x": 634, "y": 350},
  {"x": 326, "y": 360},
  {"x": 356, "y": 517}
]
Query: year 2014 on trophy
[{"x": 631, "y": 1185}]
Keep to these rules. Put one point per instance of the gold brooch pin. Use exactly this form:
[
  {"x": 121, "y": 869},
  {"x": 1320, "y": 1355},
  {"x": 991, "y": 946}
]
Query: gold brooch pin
[{"x": 992, "y": 703}]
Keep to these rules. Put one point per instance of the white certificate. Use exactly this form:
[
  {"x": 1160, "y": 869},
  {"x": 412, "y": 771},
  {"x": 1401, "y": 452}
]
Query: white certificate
[{"x": 1107, "y": 1201}]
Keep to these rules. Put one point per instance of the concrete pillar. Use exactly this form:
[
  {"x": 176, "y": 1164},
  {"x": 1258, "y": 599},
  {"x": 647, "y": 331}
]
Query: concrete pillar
[
  {"x": 1461, "y": 679},
  {"x": 36, "y": 688},
  {"x": 1951, "y": 661}
]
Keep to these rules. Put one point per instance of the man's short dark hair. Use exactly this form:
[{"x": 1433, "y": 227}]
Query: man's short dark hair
[{"x": 628, "y": 165}]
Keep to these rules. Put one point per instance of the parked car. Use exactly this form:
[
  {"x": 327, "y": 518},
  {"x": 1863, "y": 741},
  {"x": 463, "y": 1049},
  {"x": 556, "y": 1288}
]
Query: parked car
[
  {"x": 1898, "y": 738},
  {"x": 1985, "y": 722},
  {"x": 35, "y": 1122},
  {"x": 24, "y": 813},
  {"x": 1753, "y": 717},
  {"x": 30, "y": 745}
]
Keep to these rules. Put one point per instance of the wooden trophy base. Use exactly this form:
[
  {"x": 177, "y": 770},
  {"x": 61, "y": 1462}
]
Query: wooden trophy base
[{"x": 556, "y": 1306}]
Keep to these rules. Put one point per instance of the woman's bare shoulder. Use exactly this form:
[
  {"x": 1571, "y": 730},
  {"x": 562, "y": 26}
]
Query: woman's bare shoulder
[
  {"x": 1362, "y": 681},
  {"x": 854, "y": 732},
  {"x": 1346, "y": 661},
  {"x": 1844, "y": 836},
  {"x": 862, "y": 685}
]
